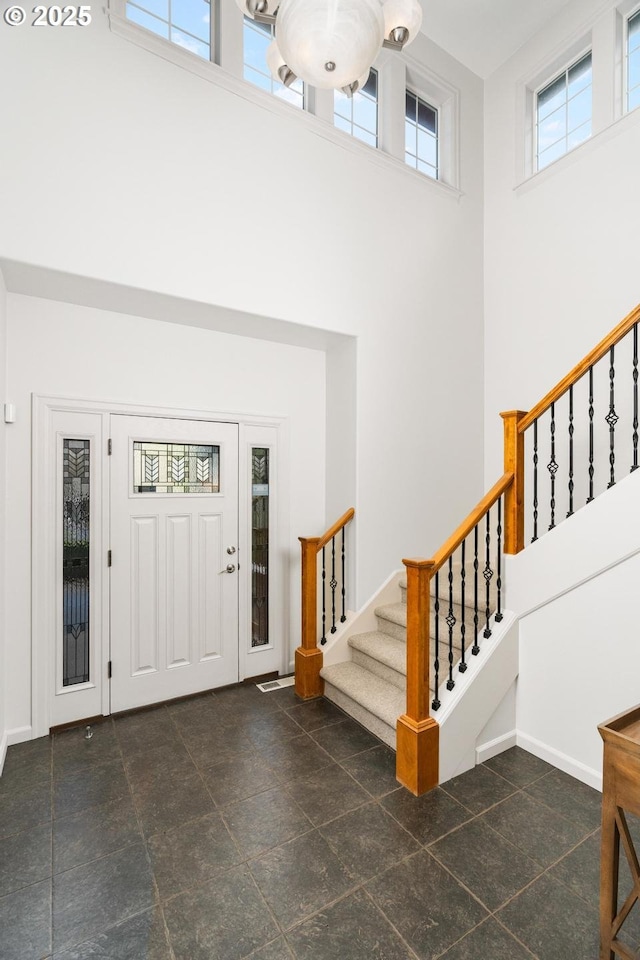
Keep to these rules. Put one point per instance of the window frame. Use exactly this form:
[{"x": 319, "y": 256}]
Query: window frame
[
  {"x": 351, "y": 121},
  {"x": 436, "y": 136},
  {"x": 555, "y": 76},
  {"x": 627, "y": 17}
]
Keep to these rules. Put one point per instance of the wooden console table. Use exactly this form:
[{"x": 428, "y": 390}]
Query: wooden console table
[{"x": 620, "y": 793}]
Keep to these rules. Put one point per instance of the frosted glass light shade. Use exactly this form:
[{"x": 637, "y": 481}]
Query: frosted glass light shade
[
  {"x": 274, "y": 60},
  {"x": 345, "y": 33},
  {"x": 402, "y": 13}
]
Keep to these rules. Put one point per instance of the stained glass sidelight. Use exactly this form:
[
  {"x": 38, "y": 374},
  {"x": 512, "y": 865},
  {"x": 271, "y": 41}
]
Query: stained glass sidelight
[
  {"x": 175, "y": 468},
  {"x": 259, "y": 546},
  {"x": 75, "y": 560}
]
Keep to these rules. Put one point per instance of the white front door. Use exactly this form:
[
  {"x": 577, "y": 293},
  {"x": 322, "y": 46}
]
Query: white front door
[{"x": 174, "y": 562}]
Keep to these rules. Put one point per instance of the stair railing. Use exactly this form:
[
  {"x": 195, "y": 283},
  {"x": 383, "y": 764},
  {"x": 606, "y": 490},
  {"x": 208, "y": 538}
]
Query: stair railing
[
  {"x": 481, "y": 546},
  {"x": 329, "y": 580}
]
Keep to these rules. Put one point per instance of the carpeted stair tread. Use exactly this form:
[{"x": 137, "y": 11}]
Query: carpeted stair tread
[
  {"x": 379, "y": 646},
  {"x": 393, "y": 612},
  {"x": 380, "y": 698},
  {"x": 443, "y": 588}
]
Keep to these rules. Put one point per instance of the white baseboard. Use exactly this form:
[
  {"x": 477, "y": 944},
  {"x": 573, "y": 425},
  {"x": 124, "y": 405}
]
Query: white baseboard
[
  {"x": 9, "y": 737},
  {"x": 593, "y": 778},
  {"x": 492, "y": 748}
]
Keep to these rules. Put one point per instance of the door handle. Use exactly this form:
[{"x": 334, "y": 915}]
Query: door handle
[{"x": 230, "y": 568}]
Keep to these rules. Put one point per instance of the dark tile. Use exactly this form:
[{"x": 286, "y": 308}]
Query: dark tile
[
  {"x": 25, "y": 858},
  {"x": 538, "y": 831},
  {"x": 299, "y": 757},
  {"x": 200, "y": 715},
  {"x": 569, "y": 797},
  {"x": 375, "y": 770},
  {"x": 271, "y": 726},
  {"x": 261, "y": 822},
  {"x": 139, "y": 732},
  {"x": 368, "y": 841},
  {"x": 316, "y": 714},
  {"x": 489, "y": 866},
  {"x": 237, "y": 779},
  {"x": 207, "y": 747},
  {"x": 276, "y": 950},
  {"x": 478, "y": 789},
  {"x": 244, "y": 700},
  {"x": 24, "y": 808},
  {"x": 89, "y": 899},
  {"x": 327, "y": 794},
  {"x": 286, "y": 697},
  {"x": 188, "y": 855},
  {"x": 89, "y": 788},
  {"x": 300, "y": 877},
  {"x": 26, "y": 765},
  {"x": 344, "y": 739},
  {"x": 224, "y": 919},
  {"x": 162, "y": 805},
  {"x": 569, "y": 927},
  {"x": 141, "y": 938},
  {"x": 167, "y": 762},
  {"x": 518, "y": 767},
  {"x": 94, "y": 833},
  {"x": 428, "y": 817},
  {"x": 72, "y": 753},
  {"x": 489, "y": 941},
  {"x": 353, "y": 928},
  {"x": 425, "y": 904},
  {"x": 25, "y": 922}
]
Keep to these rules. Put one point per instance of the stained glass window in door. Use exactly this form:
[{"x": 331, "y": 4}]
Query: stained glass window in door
[
  {"x": 175, "y": 467},
  {"x": 76, "y": 484},
  {"x": 259, "y": 546}
]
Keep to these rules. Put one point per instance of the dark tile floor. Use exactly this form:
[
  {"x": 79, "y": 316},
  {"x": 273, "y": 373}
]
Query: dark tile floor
[{"x": 244, "y": 824}]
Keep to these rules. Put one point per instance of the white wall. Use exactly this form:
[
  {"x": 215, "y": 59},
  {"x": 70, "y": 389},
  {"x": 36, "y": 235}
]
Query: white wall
[
  {"x": 3, "y": 541},
  {"x": 561, "y": 252},
  {"x": 158, "y": 179},
  {"x": 67, "y": 350}
]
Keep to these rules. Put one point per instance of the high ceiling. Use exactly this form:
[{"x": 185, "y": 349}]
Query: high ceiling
[{"x": 482, "y": 34}]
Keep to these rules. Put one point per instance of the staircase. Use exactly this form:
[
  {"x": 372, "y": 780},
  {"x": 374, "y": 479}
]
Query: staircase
[{"x": 371, "y": 686}]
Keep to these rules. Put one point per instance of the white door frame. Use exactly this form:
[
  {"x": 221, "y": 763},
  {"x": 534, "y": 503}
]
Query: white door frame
[{"x": 254, "y": 430}]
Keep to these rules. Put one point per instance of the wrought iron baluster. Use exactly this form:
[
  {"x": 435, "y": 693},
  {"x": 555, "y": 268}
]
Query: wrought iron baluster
[
  {"x": 435, "y": 703},
  {"x": 333, "y": 583},
  {"x": 323, "y": 639},
  {"x": 591, "y": 471},
  {"x": 612, "y": 418},
  {"x": 343, "y": 615},
  {"x": 571, "y": 432},
  {"x": 635, "y": 398},
  {"x": 475, "y": 649},
  {"x": 451, "y": 622},
  {"x": 552, "y": 467},
  {"x": 462, "y": 666},
  {"x": 535, "y": 481},
  {"x": 488, "y": 574},
  {"x": 498, "y": 617}
]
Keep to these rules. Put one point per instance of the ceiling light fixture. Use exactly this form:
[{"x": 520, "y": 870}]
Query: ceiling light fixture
[{"x": 332, "y": 44}]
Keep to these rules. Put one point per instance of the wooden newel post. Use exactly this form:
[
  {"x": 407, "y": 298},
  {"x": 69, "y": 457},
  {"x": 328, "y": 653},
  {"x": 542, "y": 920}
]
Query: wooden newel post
[
  {"x": 514, "y": 495},
  {"x": 308, "y": 662},
  {"x": 417, "y": 734}
]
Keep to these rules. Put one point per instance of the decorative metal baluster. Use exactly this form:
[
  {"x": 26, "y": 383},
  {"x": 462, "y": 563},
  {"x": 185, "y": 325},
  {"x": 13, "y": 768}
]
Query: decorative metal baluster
[
  {"x": 635, "y": 398},
  {"x": 451, "y": 622},
  {"x": 590, "y": 497},
  {"x": 333, "y": 583},
  {"x": 475, "y": 649},
  {"x": 571, "y": 432},
  {"x": 462, "y": 666},
  {"x": 323, "y": 639},
  {"x": 435, "y": 703},
  {"x": 612, "y": 418},
  {"x": 343, "y": 615},
  {"x": 552, "y": 467},
  {"x": 488, "y": 574},
  {"x": 499, "y": 572},
  {"x": 535, "y": 481}
]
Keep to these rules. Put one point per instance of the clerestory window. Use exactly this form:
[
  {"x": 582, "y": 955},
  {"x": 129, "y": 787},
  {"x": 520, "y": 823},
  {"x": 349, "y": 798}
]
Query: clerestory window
[
  {"x": 256, "y": 40},
  {"x": 187, "y": 23},
  {"x": 633, "y": 61},
  {"x": 358, "y": 115},
  {"x": 563, "y": 112},
  {"x": 421, "y": 135}
]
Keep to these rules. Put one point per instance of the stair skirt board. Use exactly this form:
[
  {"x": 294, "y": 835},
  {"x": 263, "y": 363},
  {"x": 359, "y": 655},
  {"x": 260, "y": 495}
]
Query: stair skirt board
[{"x": 376, "y": 726}]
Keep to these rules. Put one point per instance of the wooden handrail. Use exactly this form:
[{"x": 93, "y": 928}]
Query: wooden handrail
[
  {"x": 467, "y": 525},
  {"x": 581, "y": 368},
  {"x": 336, "y": 528},
  {"x": 308, "y": 657}
]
